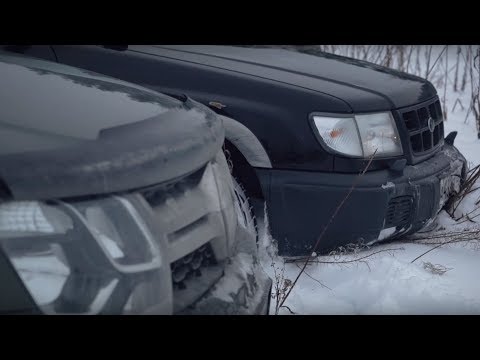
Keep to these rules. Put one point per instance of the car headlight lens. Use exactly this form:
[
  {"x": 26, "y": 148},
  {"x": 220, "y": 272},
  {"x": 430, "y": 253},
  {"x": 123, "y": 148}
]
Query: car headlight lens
[
  {"x": 360, "y": 135},
  {"x": 84, "y": 257},
  {"x": 339, "y": 134},
  {"x": 118, "y": 229},
  {"x": 31, "y": 217}
]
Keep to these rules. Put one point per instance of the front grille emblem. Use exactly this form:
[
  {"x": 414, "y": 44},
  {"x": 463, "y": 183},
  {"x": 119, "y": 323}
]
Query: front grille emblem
[{"x": 431, "y": 124}]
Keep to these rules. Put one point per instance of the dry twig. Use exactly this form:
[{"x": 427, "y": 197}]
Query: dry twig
[
  {"x": 347, "y": 261},
  {"x": 436, "y": 269}
]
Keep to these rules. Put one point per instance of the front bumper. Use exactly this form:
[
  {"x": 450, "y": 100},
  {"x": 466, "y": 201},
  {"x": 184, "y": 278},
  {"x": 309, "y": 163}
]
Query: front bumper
[{"x": 384, "y": 204}]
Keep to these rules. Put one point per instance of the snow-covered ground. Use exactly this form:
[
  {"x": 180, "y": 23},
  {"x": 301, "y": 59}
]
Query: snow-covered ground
[{"x": 386, "y": 281}]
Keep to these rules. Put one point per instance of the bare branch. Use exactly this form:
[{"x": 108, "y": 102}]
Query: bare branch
[
  {"x": 465, "y": 235},
  {"x": 286, "y": 307},
  {"x": 311, "y": 277},
  {"x": 435, "y": 268},
  {"x": 347, "y": 261},
  {"x": 468, "y": 218},
  {"x": 453, "y": 240},
  {"x": 456, "y": 199},
  {"x": 429, "y": 70}
]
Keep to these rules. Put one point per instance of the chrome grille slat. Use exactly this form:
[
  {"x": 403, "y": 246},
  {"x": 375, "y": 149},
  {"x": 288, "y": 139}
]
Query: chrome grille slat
[{"x": 190, "y": 227}]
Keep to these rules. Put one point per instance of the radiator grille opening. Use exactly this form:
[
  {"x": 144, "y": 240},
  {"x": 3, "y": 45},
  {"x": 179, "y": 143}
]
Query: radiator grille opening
[
  {"x": 425, "y": 127},
  {"x": 399, "y": 211}
]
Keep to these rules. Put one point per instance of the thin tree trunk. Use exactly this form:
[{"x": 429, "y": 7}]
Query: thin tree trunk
[
  {"x": 409, "y": 57},
  {"x": 401, "y": 51},
  {"x": 455, "y": 81},
  {"x": 445, "y": 85},
  {"x": 417, "y": 63},
  {"x": 465, "y": 69},
  {"x": 428, "y": 55}
]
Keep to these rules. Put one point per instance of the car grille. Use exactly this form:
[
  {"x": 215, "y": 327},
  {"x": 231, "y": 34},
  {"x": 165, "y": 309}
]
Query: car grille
[
  {"x": 193, "y": 275},
  {"x": 420, "y": 122},
  {"x": 191, "y": 265},
  {"x": 399, "y": 211},
  {"x": 185, "y": 214},
  {"x": 192, "y": 231}
]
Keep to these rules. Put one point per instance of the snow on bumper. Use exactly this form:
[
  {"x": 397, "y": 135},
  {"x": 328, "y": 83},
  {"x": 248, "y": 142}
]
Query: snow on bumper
[
  {"x": 428, "y": 187},
  {"x": 237, "y": 283},
  {"x": 244, "y": 288}
]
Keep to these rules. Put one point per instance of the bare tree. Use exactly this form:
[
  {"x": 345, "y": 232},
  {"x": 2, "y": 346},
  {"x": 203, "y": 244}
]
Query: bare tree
[
  {"x": 428, "y": 57},
  {"x": 465, "y": 68},
  {"x": 475, "y": 81},
  {"x": 445, "y": 80},
  {"x": 455, "y": 81},
  {"x": 409, "y": 58}
]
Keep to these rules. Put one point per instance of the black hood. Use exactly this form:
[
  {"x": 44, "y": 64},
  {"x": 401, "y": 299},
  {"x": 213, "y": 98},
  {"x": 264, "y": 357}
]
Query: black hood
[
  {"x": 362, "y": 85},
  {"x": 68, "y": 132}
]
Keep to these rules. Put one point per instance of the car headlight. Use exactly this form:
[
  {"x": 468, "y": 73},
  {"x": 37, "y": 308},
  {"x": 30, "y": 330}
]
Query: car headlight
[
  {"x": 360, "y": 135},
  {"x": 84, "y": 257}
]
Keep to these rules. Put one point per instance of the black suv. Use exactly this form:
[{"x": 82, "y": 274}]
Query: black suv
[
  {"x": 115, "y": 199},
  {"x": 299, "y": 130}
]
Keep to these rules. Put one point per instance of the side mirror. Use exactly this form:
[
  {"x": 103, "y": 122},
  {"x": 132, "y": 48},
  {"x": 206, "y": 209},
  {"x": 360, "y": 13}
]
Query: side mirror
[{"x": 451, "y": 138}]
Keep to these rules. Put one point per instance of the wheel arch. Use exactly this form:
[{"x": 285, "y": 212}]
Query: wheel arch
[
  {"x": 246, "y": 142},
  {"x": 245, "y": 152}
]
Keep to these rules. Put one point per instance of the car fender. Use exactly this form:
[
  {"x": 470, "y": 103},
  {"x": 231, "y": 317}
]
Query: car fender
[{"x": 246, "y": 142}]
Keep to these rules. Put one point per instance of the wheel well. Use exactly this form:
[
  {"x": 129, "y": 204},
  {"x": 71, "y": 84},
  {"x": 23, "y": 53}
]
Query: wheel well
[{"x": 243, "y": 171}]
